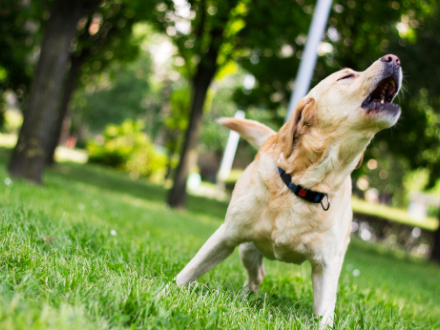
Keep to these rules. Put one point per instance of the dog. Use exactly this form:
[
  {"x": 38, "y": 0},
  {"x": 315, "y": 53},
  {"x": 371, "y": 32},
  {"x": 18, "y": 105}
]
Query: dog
[{"x": 293, "y": 202}]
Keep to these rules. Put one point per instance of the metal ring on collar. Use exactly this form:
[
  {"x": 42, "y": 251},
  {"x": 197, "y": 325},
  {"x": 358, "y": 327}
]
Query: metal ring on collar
[{"x": 328, "y": 202}]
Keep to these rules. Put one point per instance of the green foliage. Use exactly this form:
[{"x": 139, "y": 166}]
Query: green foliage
[
  {"x": 385, "y": 172},
  {"x": 214, "y": 136},
  {"x": 213, "y": 25},
  {"x": 271, "y": 54},
  {"x": 357, "y": 34},
  {"x": 416, "y": 180},
  {"x": 417, "y": 135},
  {"x": 20, "y": 33},
  {"x": 355, "y": 37},
  {"x": 106, "y": 36},
  {"x": 123, "y": 92},
  {"x": 176, "y": 121},
  {"x": 205, "y": 34},
  {"x": 93, "y": 249},
  {"x": 180, "y": 104},
  {"x": 127, "y": 148}
]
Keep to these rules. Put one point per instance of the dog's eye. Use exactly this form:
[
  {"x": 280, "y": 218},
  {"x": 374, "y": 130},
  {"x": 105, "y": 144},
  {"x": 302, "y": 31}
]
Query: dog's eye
[{"x": 351, "y": 75}]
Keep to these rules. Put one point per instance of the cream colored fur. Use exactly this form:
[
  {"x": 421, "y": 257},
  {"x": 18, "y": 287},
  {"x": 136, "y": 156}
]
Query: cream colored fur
[
  {"x": 319, "y": 147},
  {"x": 254, "y": 132}
]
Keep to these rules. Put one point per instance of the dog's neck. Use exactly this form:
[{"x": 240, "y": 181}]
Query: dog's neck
[{"x": 322, "y": 165}]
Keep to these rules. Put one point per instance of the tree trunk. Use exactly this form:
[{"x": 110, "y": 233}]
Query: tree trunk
[
  {"x": 435, "y": 252},
  {"x": 69, "y": 88},
  {"x": 171, "y": 139},
  {"x": 188, "y": 156},
  {"x": 29, "y": 155},
  {"x": 200, "y": 84}
]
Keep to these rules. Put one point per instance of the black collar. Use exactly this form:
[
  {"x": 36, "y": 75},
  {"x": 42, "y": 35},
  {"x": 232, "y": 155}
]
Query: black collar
[{"x": 308, "y": 195}]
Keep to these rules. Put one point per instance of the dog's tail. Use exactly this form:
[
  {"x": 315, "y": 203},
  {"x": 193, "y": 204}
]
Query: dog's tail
[{"x": 254, "y": 132}]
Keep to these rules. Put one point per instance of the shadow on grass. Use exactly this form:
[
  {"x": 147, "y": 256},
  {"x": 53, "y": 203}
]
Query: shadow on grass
[
  {"x": 120, "y": 182},
  {"x": 274, "y": 301}
]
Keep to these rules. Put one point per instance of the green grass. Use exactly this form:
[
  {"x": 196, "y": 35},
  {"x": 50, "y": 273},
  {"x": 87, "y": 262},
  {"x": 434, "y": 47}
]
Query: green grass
[{"x": 61, "y": 268}]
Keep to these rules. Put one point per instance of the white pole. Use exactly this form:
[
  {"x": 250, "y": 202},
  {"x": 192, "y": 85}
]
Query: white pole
[
  {"x": 231, "y": 148},
  {"x": 308, "y": 61}
]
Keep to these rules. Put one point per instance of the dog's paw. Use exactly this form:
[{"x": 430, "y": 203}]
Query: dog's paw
[{"x": 248, "y": 289}]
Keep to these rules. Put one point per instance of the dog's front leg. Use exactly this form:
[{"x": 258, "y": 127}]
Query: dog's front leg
[
  {"x": 325, "y": 283},
  {"x": 217, "y": 248}
]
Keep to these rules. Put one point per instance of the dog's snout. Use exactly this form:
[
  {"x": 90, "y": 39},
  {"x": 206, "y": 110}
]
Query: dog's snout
[{"x": 391, "y": 59}]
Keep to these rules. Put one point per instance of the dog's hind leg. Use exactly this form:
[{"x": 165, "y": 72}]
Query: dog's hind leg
[
  {"x": 216, "y": 249},
  {"x": 252, "y": 260}
]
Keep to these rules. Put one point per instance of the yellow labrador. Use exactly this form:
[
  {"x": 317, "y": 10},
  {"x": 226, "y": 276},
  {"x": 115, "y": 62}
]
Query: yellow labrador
[{"x": 280, "y": 207}]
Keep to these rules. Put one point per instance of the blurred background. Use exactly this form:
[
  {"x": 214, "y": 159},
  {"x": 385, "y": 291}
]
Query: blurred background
[{"x": 137, "y": 85}]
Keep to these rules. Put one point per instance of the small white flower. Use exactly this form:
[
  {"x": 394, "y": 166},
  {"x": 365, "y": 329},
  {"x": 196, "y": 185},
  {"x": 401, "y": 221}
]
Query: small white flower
[
  {"x": 365, "y": 234},
  {"x": 113, "y": 232},
  {"x": 356, "y": 272},
  {"x": 8, "y": 181},
  {"x": 81, "y": 206},
  {"x": 416, "y": 232}
]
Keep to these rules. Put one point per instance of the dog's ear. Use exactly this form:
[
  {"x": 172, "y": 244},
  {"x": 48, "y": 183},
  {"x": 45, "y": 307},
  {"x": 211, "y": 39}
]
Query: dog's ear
[
  {"x": 303, "y": 117},
  {"x": 359, "y": 164}
]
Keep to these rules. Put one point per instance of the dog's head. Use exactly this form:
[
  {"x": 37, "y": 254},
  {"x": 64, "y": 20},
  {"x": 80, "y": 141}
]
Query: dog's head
[{"x": 339, "y": 116}]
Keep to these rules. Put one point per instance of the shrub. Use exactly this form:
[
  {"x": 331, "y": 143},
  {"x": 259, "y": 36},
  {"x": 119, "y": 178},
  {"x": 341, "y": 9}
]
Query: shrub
[{"x": 129, "y": 149}]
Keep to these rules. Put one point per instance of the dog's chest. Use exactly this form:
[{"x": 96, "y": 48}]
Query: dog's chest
[
  {"x": 288, "y": 253},
  {"x": 292, "y": 238}
]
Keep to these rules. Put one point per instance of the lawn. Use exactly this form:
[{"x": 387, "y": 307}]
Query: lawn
[{"x": 92, "y": 249}]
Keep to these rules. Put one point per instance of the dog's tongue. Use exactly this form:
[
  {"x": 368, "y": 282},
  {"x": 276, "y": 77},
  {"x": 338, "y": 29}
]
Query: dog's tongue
[{"x": 391, "y": 89}]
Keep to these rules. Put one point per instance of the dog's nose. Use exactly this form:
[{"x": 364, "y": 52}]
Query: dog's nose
[{"x": 391, "y": 59}]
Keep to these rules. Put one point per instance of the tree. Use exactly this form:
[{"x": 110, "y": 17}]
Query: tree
[
  {"x": 28, "y": 157},
  {"x": 20, "y": 24},
  {"x": 205, "y": 36},
  {"x": 435, "y": 252},
  {"x": 418, "y": 133},
  {"x": 353, "y": 39},
  {"x": 176, "y": 123},
  {"x": 418, "y": 130},
  {"x": 104, "y": 36}
]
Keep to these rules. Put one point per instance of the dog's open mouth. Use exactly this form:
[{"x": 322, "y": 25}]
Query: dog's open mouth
[{"x": 381, "y": 97}]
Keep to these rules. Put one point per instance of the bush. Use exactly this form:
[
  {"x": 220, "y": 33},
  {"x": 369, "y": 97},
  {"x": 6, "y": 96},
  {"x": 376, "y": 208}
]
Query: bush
[{"x": 127, "y": 148}]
